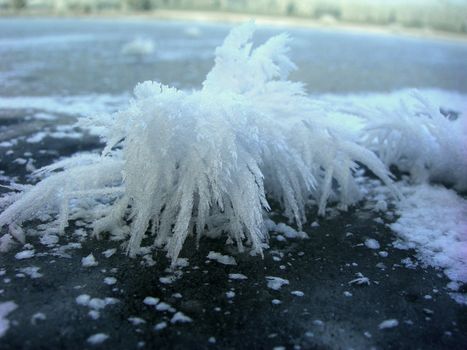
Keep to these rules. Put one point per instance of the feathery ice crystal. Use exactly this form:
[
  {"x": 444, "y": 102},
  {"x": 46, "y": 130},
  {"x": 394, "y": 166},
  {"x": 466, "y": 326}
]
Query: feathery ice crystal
[{"x": 203, "y": 162}]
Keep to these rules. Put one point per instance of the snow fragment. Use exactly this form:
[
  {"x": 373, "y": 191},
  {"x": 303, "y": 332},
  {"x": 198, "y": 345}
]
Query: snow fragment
[{"x": 297, "y": 293}]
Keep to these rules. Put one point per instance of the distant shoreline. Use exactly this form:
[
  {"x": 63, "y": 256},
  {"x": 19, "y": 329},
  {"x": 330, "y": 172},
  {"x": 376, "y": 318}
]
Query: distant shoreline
[{"x": 233, "y": 18}]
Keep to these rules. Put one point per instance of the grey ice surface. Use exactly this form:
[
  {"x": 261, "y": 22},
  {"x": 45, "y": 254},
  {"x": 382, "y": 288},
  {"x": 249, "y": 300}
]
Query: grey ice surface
[{"x": 72, "y": 57}]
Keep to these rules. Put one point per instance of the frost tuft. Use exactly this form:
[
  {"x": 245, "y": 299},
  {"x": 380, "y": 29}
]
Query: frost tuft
[{"x": 205, "y": 162}]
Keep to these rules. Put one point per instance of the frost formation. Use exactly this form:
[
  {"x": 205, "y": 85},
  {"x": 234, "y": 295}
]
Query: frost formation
[{"x": 205, "y": 162}]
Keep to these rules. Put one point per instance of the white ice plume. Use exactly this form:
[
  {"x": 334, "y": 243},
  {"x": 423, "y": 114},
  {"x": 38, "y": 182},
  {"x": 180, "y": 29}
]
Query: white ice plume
[{"x": 206, "y": 162}]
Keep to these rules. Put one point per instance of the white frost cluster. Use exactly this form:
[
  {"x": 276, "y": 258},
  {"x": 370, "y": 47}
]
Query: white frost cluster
[
  {"x": 205, "y": 162},
  {"x": 428, "y": 142}
]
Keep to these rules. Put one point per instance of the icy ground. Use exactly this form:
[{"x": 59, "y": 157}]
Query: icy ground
[{"x": 344, "y": 280}]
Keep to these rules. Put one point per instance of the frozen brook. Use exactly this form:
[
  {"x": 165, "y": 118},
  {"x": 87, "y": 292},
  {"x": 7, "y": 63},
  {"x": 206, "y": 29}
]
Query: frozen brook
[{"x": 383, "y": 275}]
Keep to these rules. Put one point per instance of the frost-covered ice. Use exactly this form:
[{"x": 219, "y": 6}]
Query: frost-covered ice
[
  {"x": 276, "y": 283},
  {"x": 391, "y": 323},
  {"x": 237, "y": 276},
  {"x": 222, "y": 259},
  {"x": 5, "y": 308},
  {"x": 433, "y": 221}
]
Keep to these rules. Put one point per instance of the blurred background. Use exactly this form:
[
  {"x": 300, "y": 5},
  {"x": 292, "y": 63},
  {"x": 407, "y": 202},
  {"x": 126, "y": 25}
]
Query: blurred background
[
  {"x": 441, "y": 15},
  {"x": 83, "y": 47}
]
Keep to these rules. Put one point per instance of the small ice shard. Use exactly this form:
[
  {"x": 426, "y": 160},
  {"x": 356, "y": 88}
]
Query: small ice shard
[
  {"x": 25, "y": 254},
  {"x": 180, "y": 317},
  {"x": 32, "y": 271},
  {"x": 360, "y": 279},
  {"x": 151, "y": 301},
  {"x": 110, "y": 280},
  {"x": 83, "y": 299},
  {"x": 276, "y": 282},
  {"x": 89, "y": 261},
  {"x": 97, "y": 338},
  {"x": 163, "y": 306},
  {"x": 136, "y": 321},
  {"x": 109, "y": 252},
  {"x": 237, "y": 276},
  {"x": 94, "y": 314},
  {"x": 39, "y": 316},
  {"x": 160, "y": 326},
  {"x": 5, "y": 309},
  {"x": 167, "y": 279},
  {"x": 372, "y": 243},
  {"x": 97, "y": 303},
  {"x": 230, "y": 294},
  {"x": 49, "y": 239},
  {"x": 391, "y": 323},
  {"x": 297, "y": 293},
  {"x": 222, "y": 259}
]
